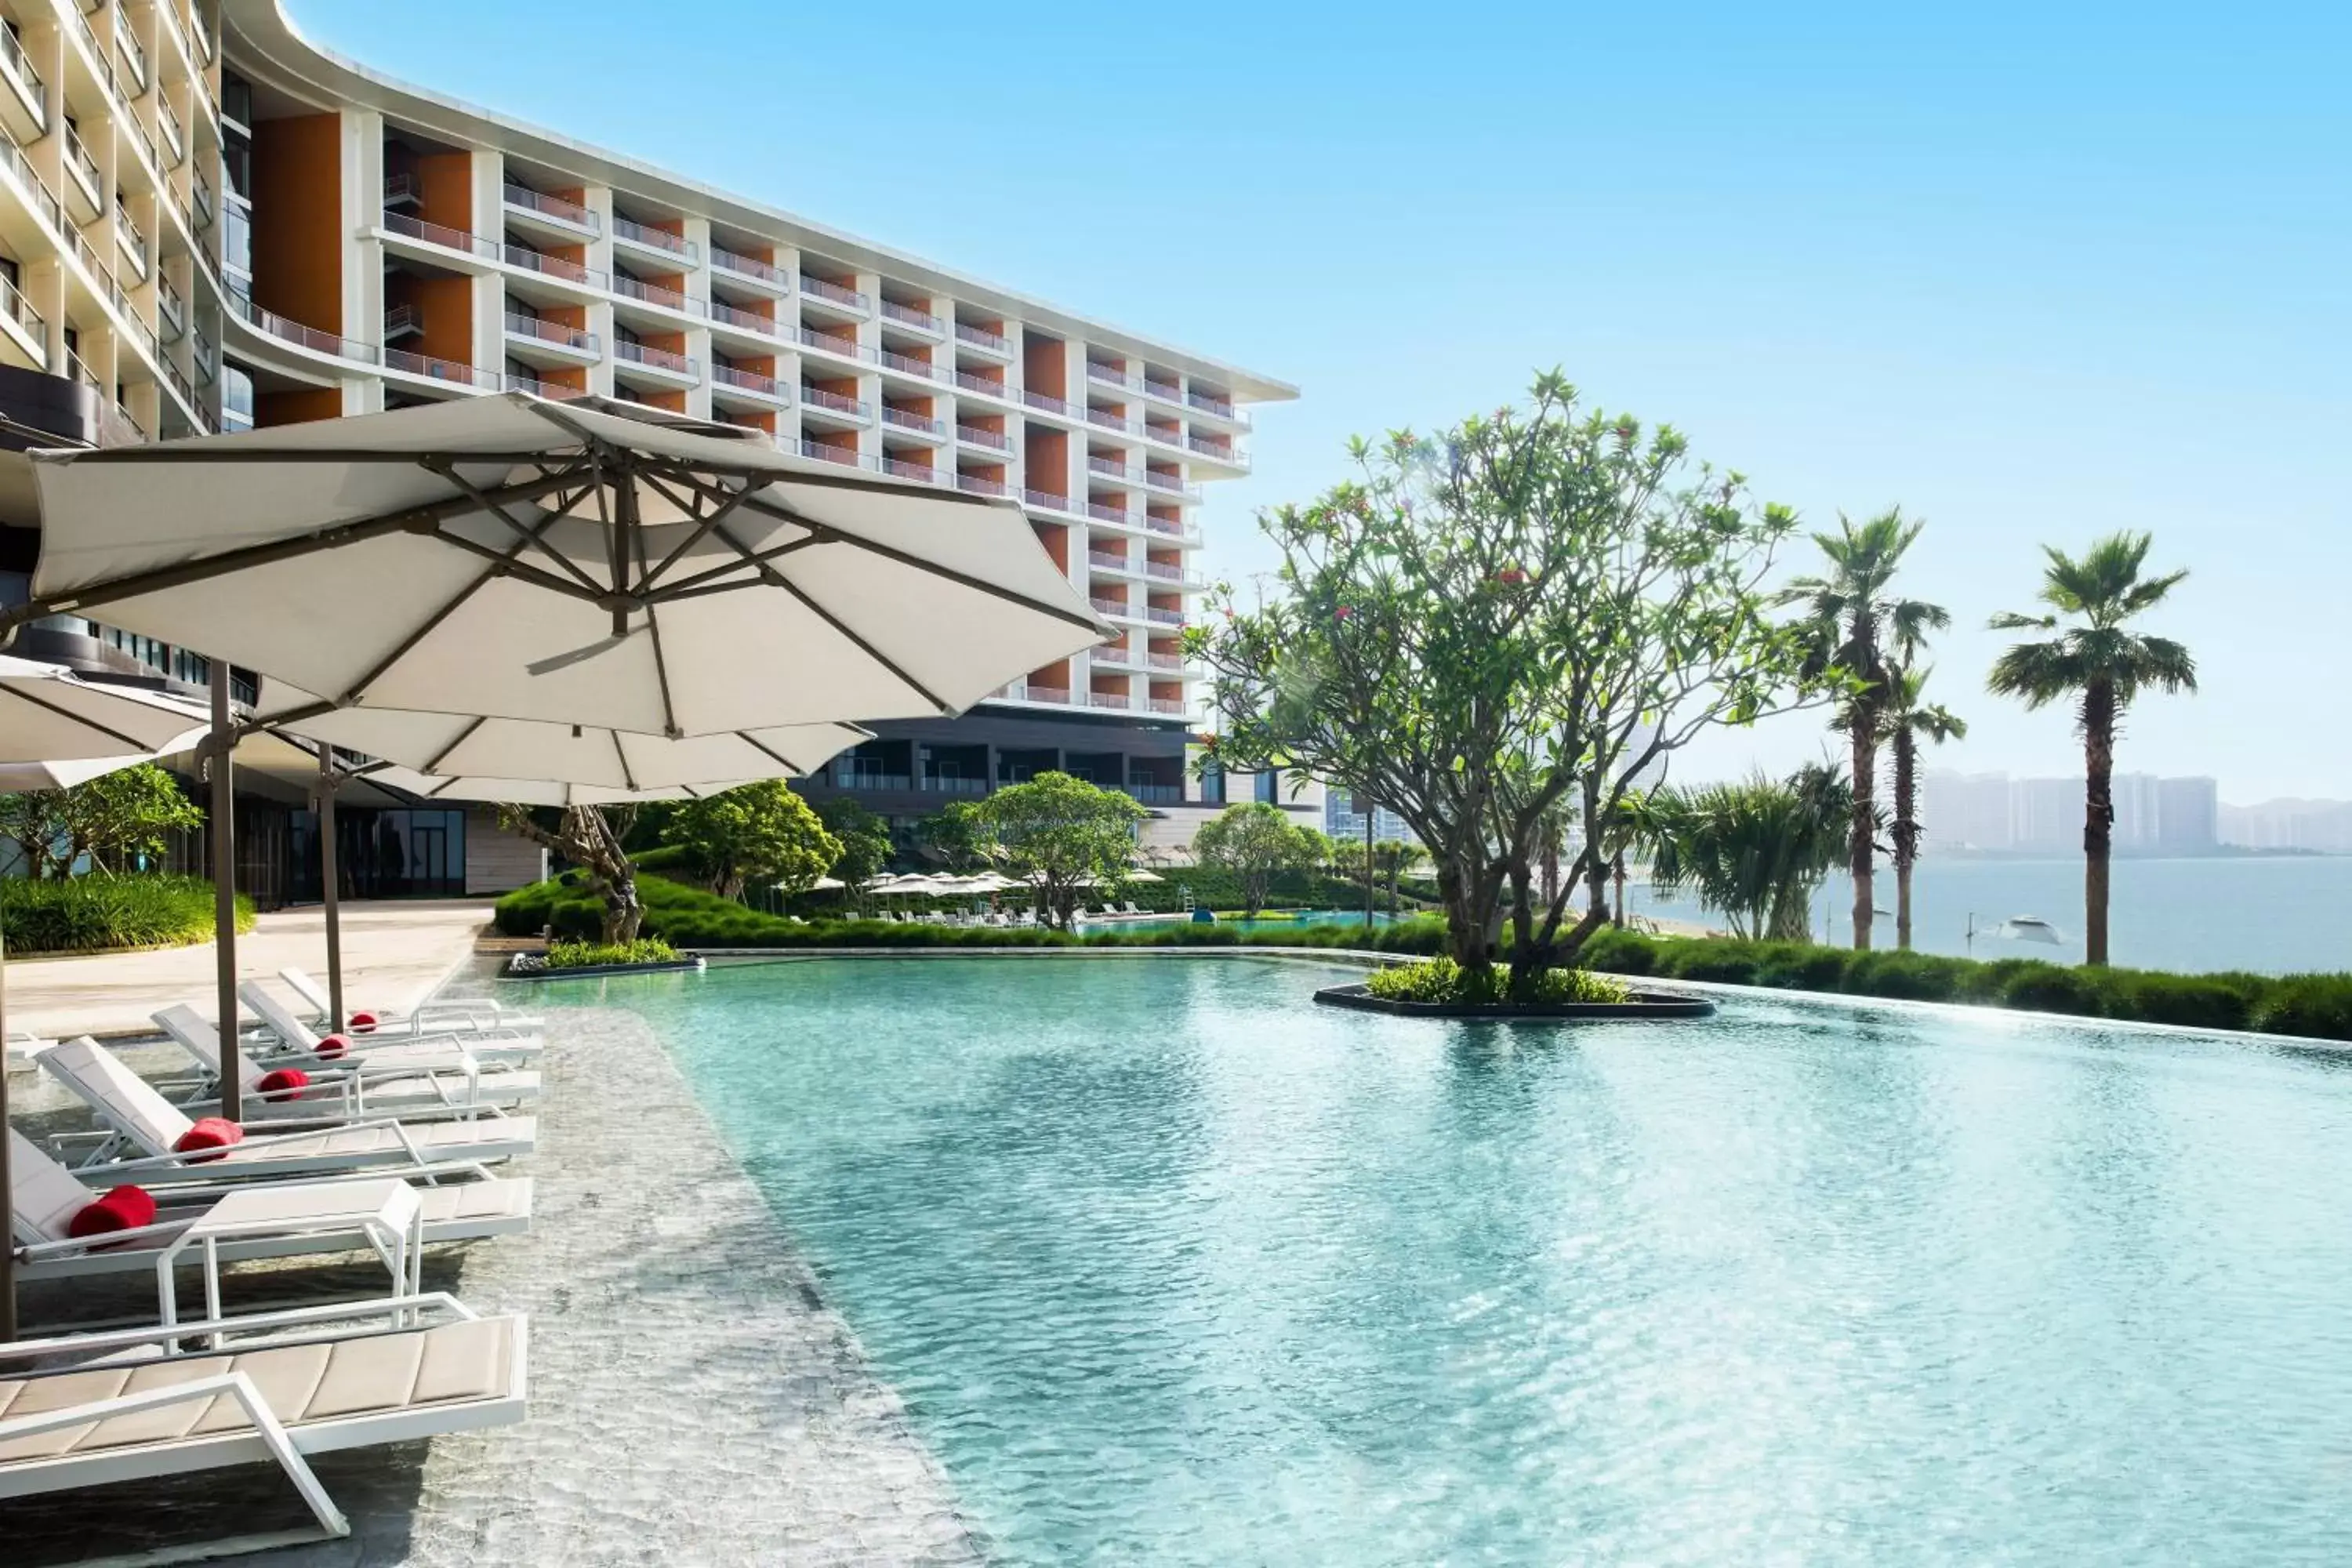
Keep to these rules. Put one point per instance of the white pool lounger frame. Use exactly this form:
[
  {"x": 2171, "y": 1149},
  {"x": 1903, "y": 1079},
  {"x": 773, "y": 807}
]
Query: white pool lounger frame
[
  {"x": 140, "y": 1116},
  {"x": 454, "y": 1083},
  {"x": 305, "y": 1387},
  {"x": 446, "y": 1017},
  {"x": 290, "y": 1036}
]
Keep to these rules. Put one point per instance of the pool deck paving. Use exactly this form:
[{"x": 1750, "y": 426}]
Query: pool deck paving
[
  {"x": 692, "y": 1398},
  {"x": 394, "y": 953}
]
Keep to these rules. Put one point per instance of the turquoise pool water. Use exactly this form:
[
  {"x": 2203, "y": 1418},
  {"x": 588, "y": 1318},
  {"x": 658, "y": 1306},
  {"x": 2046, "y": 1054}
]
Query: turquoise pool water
[{"x": 1174, "y": 1268}]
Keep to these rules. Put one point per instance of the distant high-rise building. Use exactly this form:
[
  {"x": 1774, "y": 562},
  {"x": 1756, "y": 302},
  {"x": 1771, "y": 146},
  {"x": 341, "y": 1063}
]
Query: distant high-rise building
[
  {"x": 2046, "y": 816},
  {"x": 1964, "y": 811},
  {"x": 1342, "y": 820},
  {"x": 2136, "y": 797},
  {"x": 2189, "y": 815}
]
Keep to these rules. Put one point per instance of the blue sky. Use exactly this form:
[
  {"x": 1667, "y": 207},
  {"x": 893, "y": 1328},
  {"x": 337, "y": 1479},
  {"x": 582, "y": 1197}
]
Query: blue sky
[{"x": 2034, "y": 277}]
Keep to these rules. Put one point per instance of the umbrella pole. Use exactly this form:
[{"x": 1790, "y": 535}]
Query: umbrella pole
[
  {"x": 7, "y": 1241},
  {"x": 223, "y": 831},
  {"x": 331, "y": 879}
]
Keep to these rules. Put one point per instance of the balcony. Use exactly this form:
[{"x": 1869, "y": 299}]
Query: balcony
[
  {"x": 836, "y": 294},
  {"x": 1114, "y": 656},
  {"x": 728, "y": 315},
  {"x": 1117, "y": 515},
  {"x": 447, "y": 370},
  {"x": 1175, "y": 661},
  {"x": 1217, "y": 407},
  {"x": 565, "y": 215},
  {"x": 828, "y": 343},
  {"x": 1030, "y": 691},
  {"x": 553, "y": 391},
  {"x": 1161, "y": 571},
  {"x": 908, "y": 316},
  {"x": 441, "y": 236},
  {"x": 826, "y": 452},
  {"x": 130, "y": 238},
  {"x": 973, "y": 436},
  {"x": 981, "y": 485},
  {"x": 171, "y": 309},
  {"x": 1217, "y": 452},
  {"x": 174, "y": 136},
  {"x": 1046, "y": 501},
  {"x": 547, "y": 266},
  {"x": 1112, "y": 375},
  {"x": 1117, "y": 701},
  {"x": 24, "y": 323},
  {"x": 82, "y": 177},
  {"x": 967, "y": 382},
  {"x": 1159, "y": 617},
  {"x": 204, "y": 188},
  {"x": 1171, "y": 484},
  {"x": 1172, "y": 530},
  {"x": 983, "y": 339},
  {"x": 922, "y": 473},
  {"x": 28, "y": 112},
  {"x": 654, "y": 294},
  {"x": 1104, "y": 419},
  {"x": 651, "y": 238},
  {"x": 538, "y": 331},
  {"x": 293, "y": 332},
  {"x": 1117, "y": 608},
  {"x": 1110, "y": 467},
  {"x": 751, "y": 269},
  {"x": 1041, "y": 401},
  {"x": 818, "y": 400},
  {"x": 135, "y": 58},
  {"x": 1165, "y": 391},
  {"x": 905, "y": 364},
  {"x": 1170, "y": 705},
  {"x": 727, "y": 378},
  {"x": 1105, "y": 561},
  {"x": 907, "y": 419},
  {"x": 662, "y": 362}
]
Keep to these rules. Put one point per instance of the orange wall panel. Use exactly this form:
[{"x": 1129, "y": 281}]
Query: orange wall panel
[
  {"x": 1044, "y": 364},
  {"x": 1049, "y": 460},
  {"x": 445, "y": 190},
  {"x": 297, "y": 227},
  {"x": 297, "y": 407},
  {"x": 446, "y": 307}
]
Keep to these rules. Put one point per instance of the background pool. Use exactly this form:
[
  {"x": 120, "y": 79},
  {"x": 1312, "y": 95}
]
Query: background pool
[{"x": 1174, "y": 1268}]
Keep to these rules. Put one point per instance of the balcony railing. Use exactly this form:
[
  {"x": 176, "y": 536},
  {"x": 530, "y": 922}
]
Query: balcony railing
[
  {"x": 171, "y": 308},
  {"x": 1026, "y": 691},
  {"x": 1223, "y": 407},
  {"x": 1115, "y": 699},
  {"x": 1172, "y": 530},
  {"x": 207, "y": 357},
  {"x": 556, "y": 332},
  {"x": 974, "y": 436},
  {"x": 1159, "y": 616},
  {"x": 981, "y": 337},
  {"x": 20, "y": 66},
  {"x": 36, "y": 190},
  {"x": 749, "y": 267},
  {"x": 442, "y": 235},
  {"x": 135, "y": 58},
  {"x": 1164, "y": 660},
  {"x": 630, "y": 288},
  {"x": 175, "y": 137},
  {"x": 847, "y": 348},
  {"x": 981, "y": 384},
  {"x": 1221, "y": 453},
  {"x": 547, "y": 266},
  {"x": 981, "y": 485},
  {"x": 838, "y": 293},
  {"x": 1165, "y": 705},
  {"x": 1113, "y": 607},
  {"x": 1039, "y": 400},
  {"x": 1111, "y": 465},
  {"x": 1045, "y": 500},
  {"x": 400, "y": 320},
  {"x": 553, "y": 391},
  {"x": 904, "y": 469},
  {"x": 909, "y": 316},
  {"x": 910, "y": 366},
  {"x": 20, "y": 310},
  {"x": 441, "y": 369},
  {"x": 907, "y": 419},
  {"x": 1169, "y": 573},
  {"x": 1166, "y": 391},
  {"x": 951, "y": 783},
  {"x": 1112, "y": 514},
  {"x": 1168, "y": 482},
  {"x": 817, "y": 397},
  {"x": 84, "y": 166},
  {"x": 825, "y": 451},
  {"x": 659, "y": 238},
  {"x": 657, "y": 359},
  {"x": 556, "y": 207},
  {"x": 749, "y": 320},
  {"x": 1116, "y": 653},
  {"x": 398, "y": 189},
  {"x": 204, "y": 197},
  {"x": 1113, "y": 375},
  {"x": 294, "y": 331},
  {"x": 131, "y": 238},
  {"x": 746, "y": 380},
  {"x": 1107, "y": 420},
  {"x": 1109, "y": 562}
]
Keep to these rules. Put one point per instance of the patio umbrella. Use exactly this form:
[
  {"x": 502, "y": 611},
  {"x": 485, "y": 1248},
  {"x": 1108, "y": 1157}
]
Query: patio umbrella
[
  {"x": 588, "y": 563},
  {"x": 57, "y": 729}
]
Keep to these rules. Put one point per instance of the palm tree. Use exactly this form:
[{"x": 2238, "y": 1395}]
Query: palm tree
[
  {"x": 2102, "y": 664},
  {"x": 1908, "y": 720},
  {"x": 1854, "y": 622},
  {"x": 1756, "y": 851}
]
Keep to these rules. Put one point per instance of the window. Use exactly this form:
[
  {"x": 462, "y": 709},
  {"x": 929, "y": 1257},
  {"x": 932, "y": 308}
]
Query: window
[{"x": 1268, "y": 787}]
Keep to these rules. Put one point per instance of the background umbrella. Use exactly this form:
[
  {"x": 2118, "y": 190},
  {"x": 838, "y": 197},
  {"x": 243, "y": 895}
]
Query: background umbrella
[{"x": 82, "y": 729}]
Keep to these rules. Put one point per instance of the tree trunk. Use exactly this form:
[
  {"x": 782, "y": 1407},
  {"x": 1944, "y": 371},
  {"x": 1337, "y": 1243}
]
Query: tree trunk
[
  {"x": 2099, "y": 815},
  {"x": 1906, "y": 832},
  {"x": 1859, "y": 847},
  {"x": 1617, "y": 875}
]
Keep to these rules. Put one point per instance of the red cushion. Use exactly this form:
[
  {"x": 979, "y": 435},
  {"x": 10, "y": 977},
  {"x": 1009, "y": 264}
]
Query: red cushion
[
  {"x": 363, "y": 1023},
  {"x": 124, "y": 1208},
  {"x": 334, "y": 1045},
  {"x": 284, "y": 1083},
  {"x": 209, "y": 1133}
]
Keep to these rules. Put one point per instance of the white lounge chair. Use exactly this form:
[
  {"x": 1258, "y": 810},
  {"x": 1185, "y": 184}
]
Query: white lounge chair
[
  {"x": 273, "y": 1386},
  {"x": 413, "y": 1088},
  {"x": 1129, "y": 909},
  {"x": 457, "y": 1015},
  {"x": 288, "y": 1035},
  {"x": 139, "y": 1116},
  {"x": 44, "y": 1196}
]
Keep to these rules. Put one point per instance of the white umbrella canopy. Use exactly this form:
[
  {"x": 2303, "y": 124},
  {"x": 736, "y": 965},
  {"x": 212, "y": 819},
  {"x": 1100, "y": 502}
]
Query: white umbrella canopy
[
  {"x": 445, "y": 755},
  {"x": 580, "y": 563}
]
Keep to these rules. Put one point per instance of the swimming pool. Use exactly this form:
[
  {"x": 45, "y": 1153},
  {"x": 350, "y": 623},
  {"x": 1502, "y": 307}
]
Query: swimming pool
[{"x": 1173, "y": 1267}]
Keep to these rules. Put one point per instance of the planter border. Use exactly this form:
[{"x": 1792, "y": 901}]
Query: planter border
[
  {"x": 1644, "y": 1005},
  {"x": 598, "y": 971}
]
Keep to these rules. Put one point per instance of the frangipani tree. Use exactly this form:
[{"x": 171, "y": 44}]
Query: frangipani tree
[
  {"x": 1532, "y": 610},
  {"x": 1253, "y": 840},
  {"x": 1062, "y": 835}
]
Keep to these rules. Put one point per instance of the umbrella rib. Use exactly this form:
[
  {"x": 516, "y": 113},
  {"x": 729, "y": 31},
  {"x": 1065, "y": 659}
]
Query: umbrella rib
[
  {"x": 702, "y": 530},
  {"x": 771, "y": 753},
  {"x": 433, "y": 764},
  {"x": 706, "y": 580},
  {"x": 533, "y": 537},
  {"x": 109, "y": 731},
  {"x": 867, "y": 648},
  {"x": 425, "y": 519},
  {"x": 661, "y": 661},
  {"x": 627, "y": 777},
  {"x": 510, "y": 567}
]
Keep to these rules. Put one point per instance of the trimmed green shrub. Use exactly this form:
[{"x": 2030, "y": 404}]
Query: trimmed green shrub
[
  {"x": 103, "y": 914},
  {"x": 2317, "y": 1004},
  {"x": 1441, "y": 979},
  {"x": 594, "y": 954}
]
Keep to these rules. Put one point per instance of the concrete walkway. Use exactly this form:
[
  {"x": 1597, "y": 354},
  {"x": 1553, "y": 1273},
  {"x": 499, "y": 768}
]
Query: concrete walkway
[{"x": 393, "y": 955}]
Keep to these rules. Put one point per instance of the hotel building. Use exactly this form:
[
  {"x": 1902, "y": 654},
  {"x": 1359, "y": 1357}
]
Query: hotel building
[{"x": 208, "y": 224}]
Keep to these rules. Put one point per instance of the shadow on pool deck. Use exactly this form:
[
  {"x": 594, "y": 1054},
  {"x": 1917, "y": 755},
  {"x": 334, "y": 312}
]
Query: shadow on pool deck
[{"x": 692, "y": 1399}]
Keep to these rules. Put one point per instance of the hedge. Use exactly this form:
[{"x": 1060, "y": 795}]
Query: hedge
[
  {"x": 2310, "y": 1005},
  {"x": 105, "y": 914}
]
